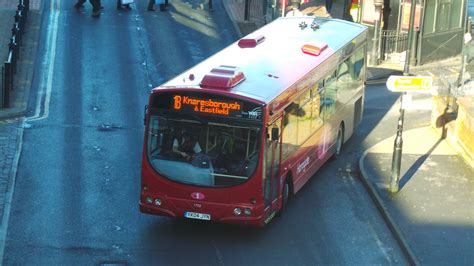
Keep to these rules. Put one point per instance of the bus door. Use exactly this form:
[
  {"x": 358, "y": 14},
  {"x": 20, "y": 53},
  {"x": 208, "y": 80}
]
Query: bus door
[{"x": 272, "y": 167}]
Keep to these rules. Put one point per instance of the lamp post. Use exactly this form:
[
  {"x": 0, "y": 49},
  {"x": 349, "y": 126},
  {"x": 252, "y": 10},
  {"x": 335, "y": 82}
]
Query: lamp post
[
  {"x": 375, "y": 41},
  {"x": 397, "y": 146}
]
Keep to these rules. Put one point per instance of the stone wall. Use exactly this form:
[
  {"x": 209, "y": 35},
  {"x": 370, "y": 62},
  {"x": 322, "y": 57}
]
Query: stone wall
[{"x": 454, "y": 118}]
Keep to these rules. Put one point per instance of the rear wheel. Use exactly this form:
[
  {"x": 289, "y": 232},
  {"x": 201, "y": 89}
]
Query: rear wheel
[{"x": 339, "y": 142}]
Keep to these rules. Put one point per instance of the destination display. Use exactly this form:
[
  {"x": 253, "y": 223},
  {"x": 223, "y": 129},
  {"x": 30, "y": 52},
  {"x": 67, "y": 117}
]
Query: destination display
[{"x": 218, "y": 105}]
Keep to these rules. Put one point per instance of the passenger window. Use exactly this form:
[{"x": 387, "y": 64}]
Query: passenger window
[
  {"x": 304, "y": 117},
  {"x": 316, "y": 94},
  {"x": 329, "y": 101}
]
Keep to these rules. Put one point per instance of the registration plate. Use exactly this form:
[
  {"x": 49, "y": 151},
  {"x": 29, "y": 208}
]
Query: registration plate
[{"x": 196, "y": 215}]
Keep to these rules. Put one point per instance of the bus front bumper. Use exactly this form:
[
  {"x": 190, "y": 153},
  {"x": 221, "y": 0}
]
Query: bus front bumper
[{"x": 254, "y": 221}]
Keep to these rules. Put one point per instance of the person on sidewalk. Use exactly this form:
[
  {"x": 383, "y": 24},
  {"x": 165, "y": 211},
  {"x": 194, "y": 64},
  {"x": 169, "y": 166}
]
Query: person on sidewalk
[
  {"x": 79, "y": 4},
  {"x": 96, "y": 6},
  {"x": 346, "y": 13},
  {"x": 151, "y": 5},
  {"x": 295, "y": 4},
  {"x": 163, "y": 6},
  {"x": 209, "y": 3},
  {"x": 121, "y": 6},
  {"x": 294, "y": 8},
  {"x": 328, "y": 6}
]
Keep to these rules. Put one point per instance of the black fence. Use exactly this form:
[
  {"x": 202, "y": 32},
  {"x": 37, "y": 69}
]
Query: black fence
[
  {"x": 9, "y": 69},
  {"x": 255, "y": 10},
  {"x": 392, "y": 41}
]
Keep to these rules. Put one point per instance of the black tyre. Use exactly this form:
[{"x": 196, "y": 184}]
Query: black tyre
[
  {"x": 339, "y": 142},
  {"x": 285, "y": 197}
]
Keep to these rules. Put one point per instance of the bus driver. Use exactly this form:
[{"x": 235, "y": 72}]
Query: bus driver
[{"x": 187, "y": 147}]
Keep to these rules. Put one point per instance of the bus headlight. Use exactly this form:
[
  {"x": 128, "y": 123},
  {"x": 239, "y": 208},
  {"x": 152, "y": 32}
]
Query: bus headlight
[
  {"x": 149, "y": 200},
  {"x": 157, "y": 202},
  {"x": 237, "y": 211},
  {"x": 247, "y": 211}
]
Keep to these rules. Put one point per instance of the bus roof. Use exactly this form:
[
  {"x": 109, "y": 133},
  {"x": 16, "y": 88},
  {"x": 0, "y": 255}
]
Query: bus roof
[{"x": 271, "y": 59}]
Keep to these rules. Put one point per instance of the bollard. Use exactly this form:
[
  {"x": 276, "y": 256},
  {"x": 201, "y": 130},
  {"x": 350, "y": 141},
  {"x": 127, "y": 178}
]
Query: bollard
[
  {"x": 19, "y": 20},
  {"x": 16, "y": 31},
  {"x": 26, "y": 3},
  {"x": 8, "y": 83},
  {"x": 13, "y": 51},
  {"x": 2, "y": 88},
  {"x": 10, "y": 67}
]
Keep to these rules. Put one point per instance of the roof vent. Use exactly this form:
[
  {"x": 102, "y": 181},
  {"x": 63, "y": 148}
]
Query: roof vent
[
  {"x": 251, "y": 42},
  {"x": 223, "y": 77},
  {"x": 314, "y": 49}
]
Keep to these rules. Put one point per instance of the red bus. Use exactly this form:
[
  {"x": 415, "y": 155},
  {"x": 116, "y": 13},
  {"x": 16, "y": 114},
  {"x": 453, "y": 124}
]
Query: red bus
[{"x": 232, "y": 138}]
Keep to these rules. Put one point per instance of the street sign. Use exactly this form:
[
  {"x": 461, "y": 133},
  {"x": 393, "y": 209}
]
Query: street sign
[{"x": 409, "y": 84}]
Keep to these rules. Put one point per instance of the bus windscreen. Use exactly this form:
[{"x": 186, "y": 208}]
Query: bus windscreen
[{"x": 202, "y": 148}]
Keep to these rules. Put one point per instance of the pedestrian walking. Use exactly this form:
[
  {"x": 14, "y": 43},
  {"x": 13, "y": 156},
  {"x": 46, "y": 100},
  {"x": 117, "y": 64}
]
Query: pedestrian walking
[
  {"x": 209, "y": 3},
  {"x": 328, "y": 6},
  {"x": 294, "y": 8},
  {"x": 151, "y": 5},
  {"x": 122, "y": 6},
  {"x": 96, "y": 6},
  {"x": 163, "y": 5},
  {"x": 79, "y": 4},
  {"x": 295, "y": 4},
  {"x": 346, "y": 13}
]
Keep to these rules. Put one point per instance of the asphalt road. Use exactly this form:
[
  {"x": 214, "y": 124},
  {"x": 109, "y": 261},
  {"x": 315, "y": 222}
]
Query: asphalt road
[{"x": 77, "y": 186}]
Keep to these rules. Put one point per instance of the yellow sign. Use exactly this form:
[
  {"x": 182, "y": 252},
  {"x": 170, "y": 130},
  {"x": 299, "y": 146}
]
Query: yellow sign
[{"x": 409, "y": 84}]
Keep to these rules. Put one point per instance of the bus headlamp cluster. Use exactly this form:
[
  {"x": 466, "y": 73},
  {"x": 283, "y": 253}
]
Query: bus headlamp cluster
[
  {"x": 150, "y": 200},
  {"x": 238, "y": 211}
]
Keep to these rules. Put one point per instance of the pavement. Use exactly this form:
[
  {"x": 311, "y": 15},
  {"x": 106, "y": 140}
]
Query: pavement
[
  {"x": 431, "y": 216},
  {"x": 24, "y": 75}
]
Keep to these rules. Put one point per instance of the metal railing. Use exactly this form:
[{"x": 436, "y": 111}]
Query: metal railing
[
  {"x": 392, "y": 41},
  {"x": 9, "y": 68},
  {"x": 255, "y": 10}
]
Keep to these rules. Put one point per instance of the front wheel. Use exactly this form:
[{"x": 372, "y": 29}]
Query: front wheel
[{"x": 284, "y": 197}]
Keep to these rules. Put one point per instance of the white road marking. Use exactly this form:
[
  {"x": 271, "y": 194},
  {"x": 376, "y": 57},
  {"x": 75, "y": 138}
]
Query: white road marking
[
  {"x": 46, "y": 84},
  {"x": 52, "y": 34}
]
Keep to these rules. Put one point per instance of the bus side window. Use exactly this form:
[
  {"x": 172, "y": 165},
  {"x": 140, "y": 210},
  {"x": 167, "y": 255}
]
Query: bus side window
[
  {"x": 290, "y": 130},
  {"x": 344, "y": 76},
  {"x": 358, "y": 64},
  {"x": 304, "y": 117},
  {"x": 316, "y": 94},
  {"x": 328, "y": 103},
  {"x": 349, "y": 77}
]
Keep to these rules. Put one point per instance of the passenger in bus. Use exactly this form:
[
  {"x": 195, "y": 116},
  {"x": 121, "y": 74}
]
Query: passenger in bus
[
  {"x": 223, "y": 160},
  {"x": 187, "y": 147},
  {"x": 167, "y": 142}
]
